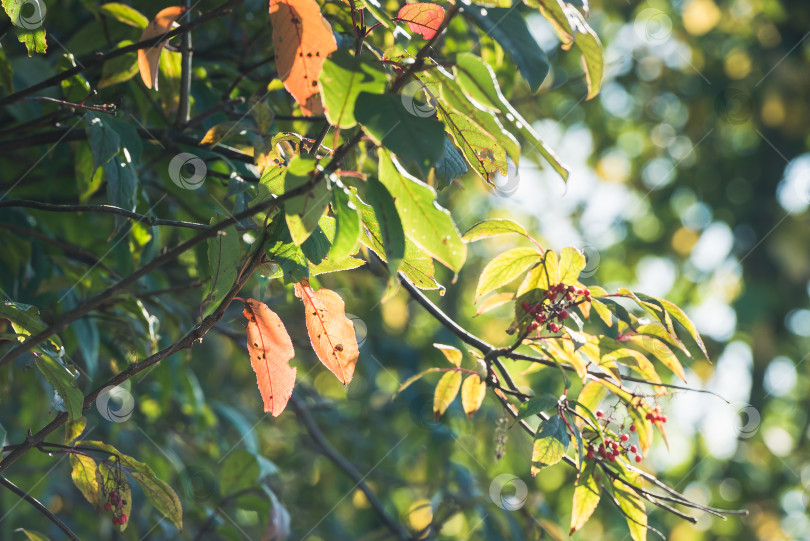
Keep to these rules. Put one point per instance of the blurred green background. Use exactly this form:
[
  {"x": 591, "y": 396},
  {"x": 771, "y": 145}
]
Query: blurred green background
[{"x": 690, "y": 180}]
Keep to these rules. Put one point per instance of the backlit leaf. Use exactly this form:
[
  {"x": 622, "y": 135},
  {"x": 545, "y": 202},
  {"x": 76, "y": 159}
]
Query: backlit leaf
[
  {"x": 149, "y": 58},
  {"x": 445, "y": 393},
  {"x": 304, "y": 211},
  {"x": 491, "y": 228},
  {"x": 124, "y": 14},
  {"x": 87, "y": 478},
  {"x": 425, "y": 223},
  {"x": 119, "y": 69},
  {"x": 504, "y": 268},
  {"x": 270, "y": 350},
  {"x": 423, "y": 18},
  {"x": 632, "y": 505},
  {"x": 535, "y": 405},
  {"x": 473, "y": 391},
  {"x": 452, "y": 354},
  {"x": 302, "y": 40},
  {"x": 330, "y": 331},
  {"x": 343, "y": 78},
  {"x": 550, "y": 444},
  {"x": 586, "y": 497},
  {"x": 493, "y": 302},
  {"x": 348, "y": 225}
]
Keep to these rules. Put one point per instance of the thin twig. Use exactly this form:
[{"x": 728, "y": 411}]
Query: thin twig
[{"x": 39, "y": 507}]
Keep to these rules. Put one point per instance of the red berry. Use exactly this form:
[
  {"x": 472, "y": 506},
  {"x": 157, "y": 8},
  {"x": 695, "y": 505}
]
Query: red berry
[
  {"x": 632, "y": 428},
  {"x": 633, "y": 449},
  {"x": 649, "y": 417},
  {"x": 599, "y": 413},
  {"x": 586, "y": 292},
  {"x": 107, "y": 507},
  {"x": 625, "y": 437},
  {"x": 124, "y": 518},
  {"x": 615, "y": 446},
  {"x": 525, "y": 306},
  {"x": 532, "y": 327},
  {"x": 612, "y": 458},
  {"x": 571, "y": 289},
  {"x": 602, "y": 451},
  {"x": 115, "y": 521},
  {"x": 663, "y": 418},
  {"x": 590, "y": 453},
  {"x": 553, "y": 327},
  {"x": 638, "y": 458},
  {"x": 563, "y": 315},
  {"x": 568, "y": 296}
]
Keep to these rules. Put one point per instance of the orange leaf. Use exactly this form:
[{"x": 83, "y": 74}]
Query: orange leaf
[
  {"x": 302, "y": 39},
  {"x": 149, "y": 58},
  {"x": 422, "y": 18},
  {"x": 330, "y": 331},
  {"x": 270, "y": 351}
]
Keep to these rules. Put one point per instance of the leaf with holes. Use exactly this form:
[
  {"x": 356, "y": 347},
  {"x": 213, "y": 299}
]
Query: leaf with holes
[
  {"x": 302, "y": 40},
  {"x": 270, "y": 351},
  {"x": 149, "y": 58},
  {"x": 330, "y": 331},
  {"x": 423, "y": 18}
]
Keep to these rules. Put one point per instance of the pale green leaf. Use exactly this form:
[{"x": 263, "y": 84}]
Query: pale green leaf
[
  {"x": 445, "y": 393},
  {"x": 504, "y": 268}
]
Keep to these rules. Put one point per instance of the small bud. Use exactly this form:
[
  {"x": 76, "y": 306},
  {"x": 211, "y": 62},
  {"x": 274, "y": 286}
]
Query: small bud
[{"x": 600, "y": 413}]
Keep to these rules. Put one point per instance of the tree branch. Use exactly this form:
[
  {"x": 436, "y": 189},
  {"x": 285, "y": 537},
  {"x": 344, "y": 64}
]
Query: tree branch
[{"x": 39, "y": 507}]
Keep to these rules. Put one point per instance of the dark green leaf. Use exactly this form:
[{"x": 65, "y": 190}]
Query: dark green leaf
[
  {"x": 451, "y": 166},
  {"x": 239, "y": 470},
  {"x": 535, "y": 405},
  {"x": 348, "y": 224},
  {"x": 63, "y": 381}
]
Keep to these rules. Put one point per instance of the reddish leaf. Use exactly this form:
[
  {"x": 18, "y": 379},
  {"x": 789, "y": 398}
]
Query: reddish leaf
[
  {"x": 149, "y": 58},
  {"x": 422, "y": 18},
  {"x": 302, "y": 39},
  {"x": 330, "y": 331},
  {"x": 270, "y": 351}
]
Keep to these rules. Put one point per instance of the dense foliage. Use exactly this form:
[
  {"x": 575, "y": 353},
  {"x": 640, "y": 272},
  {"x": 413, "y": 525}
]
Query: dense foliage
[{"x": 211, "y": 212}]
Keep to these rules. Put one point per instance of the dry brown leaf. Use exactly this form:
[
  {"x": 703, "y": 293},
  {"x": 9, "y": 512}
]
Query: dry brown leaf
[
  {"x": 302, "y": 39},
  {"x": 149, "y": 58},
  {"x": 270, "y": 351},
  {"x": 330, "y": 331}
]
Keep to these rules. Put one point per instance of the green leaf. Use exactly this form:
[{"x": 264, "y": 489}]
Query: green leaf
[
  {"x": 555, "y": 12},
  {"x": 504, "y": 268},
  {"x": 451, "y": 166},
  {"x": 87, "y": 478},
  {"x": 678, "y": 315},
  {"x": 337, "y": 265},
  {"x": 239, "y": 470},
  {"x": 633, "y": 508},
  {"x": 390, "y": 124},
  {"x": 224, "y": 255},
  {"x": 285, "y": 253},
  {"x": 32, "y": 535},
  {"x": 348, "y": 224},
  {"x": 75, "y": 87},
  {"x": 104, "y": 140},
  {"x": 125, "y": 14},
  {"x": 161, "y": 495},
  {"x": 572, "y": 262},
  {"x": 122, "y": 183},
  {"x": 535, "y": 405},
  {"x": 28, "y": 27},
  {"x": 592, "y": 58},
  {"x": 343, "y": 78},
  {"x": 6, "y": 72},
  {"x": 454, "y": 97},
  {"x": 484, "y": 154},
  {"x": 452, "y": 354},
  {"x": 304, "y": 211},
  {"x": 74, "y": 429},
  {"x": 491, "y": 228},
  {"x": 413, "y": 379},
  {"x": 384, "y": 225},
  {"x": 169, "y": 80},
  {"x": 508, "y": 28},
  {"x": 550, "y": 444},
  {"x": 587, "y": 493},
  {"x": 63, "y": 381},
  {"x": 425, "y": 223},
  {"x": 445, "y": 393},
  {"x": 543, "y": 276},
  {"x": 25, "y": 321}
]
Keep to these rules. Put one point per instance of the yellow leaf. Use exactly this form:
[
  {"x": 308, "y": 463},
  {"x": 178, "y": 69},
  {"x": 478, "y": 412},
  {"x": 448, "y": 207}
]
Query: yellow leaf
[
  {"x": 472, "y": 394},
  {"x": 446, "y": 391},
  {"x": 453, "y": 355}
]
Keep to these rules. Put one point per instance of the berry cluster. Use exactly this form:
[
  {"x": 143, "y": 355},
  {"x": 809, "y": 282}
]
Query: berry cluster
[
  {"x": 561, "y": 298},
  {"x": 114, "y": 488},
  {"x": 610, "y": 449},
  {"x": 656, "y": 416},
  {"x": 116, "y": 503}
]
